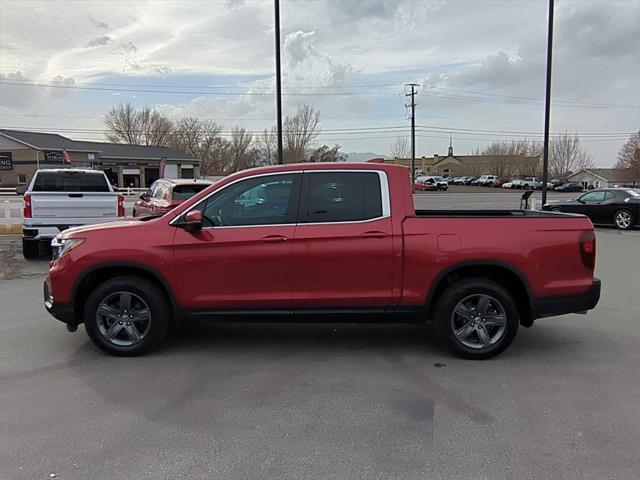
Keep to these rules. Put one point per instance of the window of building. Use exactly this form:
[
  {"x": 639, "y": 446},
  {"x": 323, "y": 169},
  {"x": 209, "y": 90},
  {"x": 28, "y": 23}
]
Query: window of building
[
  {"x": 22, "y": 179},
  {"x": 341, "y": 197}
]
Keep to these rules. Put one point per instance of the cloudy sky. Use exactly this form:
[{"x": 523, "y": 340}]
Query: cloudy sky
[{"x": 480, "y": 66}]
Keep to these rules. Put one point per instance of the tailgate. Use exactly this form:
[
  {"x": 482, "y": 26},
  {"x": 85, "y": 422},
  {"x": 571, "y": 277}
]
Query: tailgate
[{"x": 72, "y": 205}]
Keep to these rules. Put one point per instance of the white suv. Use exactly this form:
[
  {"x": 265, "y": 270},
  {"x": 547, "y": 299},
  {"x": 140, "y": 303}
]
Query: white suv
[{"x": 487, "y": 180}]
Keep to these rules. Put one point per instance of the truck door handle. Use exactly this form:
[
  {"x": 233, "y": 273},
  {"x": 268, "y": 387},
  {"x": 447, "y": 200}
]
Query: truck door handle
[
  {"x": 274, "y": 239},
  {"x": 373, "y": 234}
]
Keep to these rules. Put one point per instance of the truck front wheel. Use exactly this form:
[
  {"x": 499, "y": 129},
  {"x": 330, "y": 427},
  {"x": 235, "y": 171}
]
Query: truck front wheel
[
  {"x": 476, "y": 318},
  {"x": 126, "y": 316}
]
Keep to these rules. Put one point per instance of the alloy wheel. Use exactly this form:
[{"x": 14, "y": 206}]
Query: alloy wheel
[
  {"x": 123, "y": 319},
  {"x": 479, "y": 321},
  {"x": 623, "y": 219}
]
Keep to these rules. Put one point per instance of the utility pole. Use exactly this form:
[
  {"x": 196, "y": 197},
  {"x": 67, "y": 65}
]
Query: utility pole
[
  {"x": 276, "y": 5},
  {"x": 547, "y": 106},
  {"x": 413, "y": 132}
]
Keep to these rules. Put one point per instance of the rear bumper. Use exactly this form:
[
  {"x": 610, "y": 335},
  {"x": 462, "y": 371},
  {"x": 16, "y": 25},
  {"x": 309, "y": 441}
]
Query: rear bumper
[
  {"x": 61, "y": 311},
  {"x": 561, "y": 305}
]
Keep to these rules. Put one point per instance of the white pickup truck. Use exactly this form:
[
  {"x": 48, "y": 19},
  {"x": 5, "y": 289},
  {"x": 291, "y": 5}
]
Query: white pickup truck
[{"x": 57, "y": 199}]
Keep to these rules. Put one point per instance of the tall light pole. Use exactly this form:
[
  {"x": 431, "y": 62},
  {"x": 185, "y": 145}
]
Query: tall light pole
[
  {"x": 276, "y": 6},
  {"x": 547, "y": 107}
]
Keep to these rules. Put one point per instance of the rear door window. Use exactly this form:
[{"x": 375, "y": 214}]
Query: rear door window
[
  {"x": 70, "y": 182},
  {"x": 341, "y": 197}
]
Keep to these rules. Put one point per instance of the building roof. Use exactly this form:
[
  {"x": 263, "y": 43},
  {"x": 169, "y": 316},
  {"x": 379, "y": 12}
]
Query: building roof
[
  {"x": 53, "y": 141},
  {"x": 608, "y": 174}
]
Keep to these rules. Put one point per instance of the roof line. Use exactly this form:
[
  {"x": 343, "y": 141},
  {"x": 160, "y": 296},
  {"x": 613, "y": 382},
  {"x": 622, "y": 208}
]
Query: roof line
[{"x": 19, "y": 141}]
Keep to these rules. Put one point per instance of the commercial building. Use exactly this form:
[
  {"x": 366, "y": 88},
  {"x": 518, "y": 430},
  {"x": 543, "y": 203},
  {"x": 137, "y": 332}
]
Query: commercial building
[
  {"x": 604, "y": 178},
  {"x": 456, "y": 165},
  {"x": 23, "y": 152}
]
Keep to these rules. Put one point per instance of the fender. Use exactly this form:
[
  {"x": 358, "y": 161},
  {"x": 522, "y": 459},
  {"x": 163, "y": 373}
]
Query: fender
[
  {"x": 127, "y": 264},
  {"x": 482, "y": 263}
]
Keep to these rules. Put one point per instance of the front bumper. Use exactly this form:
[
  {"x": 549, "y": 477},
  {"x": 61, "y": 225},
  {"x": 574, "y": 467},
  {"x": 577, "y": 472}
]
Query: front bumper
[
  {"x": 61, "y": 311},
  {"x": 561, "y": 305}
]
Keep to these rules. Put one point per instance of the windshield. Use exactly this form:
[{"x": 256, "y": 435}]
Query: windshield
[{"x": 183, "y": 192}]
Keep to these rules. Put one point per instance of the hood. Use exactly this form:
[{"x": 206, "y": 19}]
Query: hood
[{"x": 122, "y": 224}]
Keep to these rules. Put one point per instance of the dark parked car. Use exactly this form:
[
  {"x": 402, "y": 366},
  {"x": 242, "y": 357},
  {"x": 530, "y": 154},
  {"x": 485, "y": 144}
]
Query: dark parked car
[
  {"x": 469, "y": 180},
  {"x": 556, "y": 182},
  {"x": 569, "y": 187},
  {"x": 611, "y": 206},
  {"x": 165, "y": 194}
]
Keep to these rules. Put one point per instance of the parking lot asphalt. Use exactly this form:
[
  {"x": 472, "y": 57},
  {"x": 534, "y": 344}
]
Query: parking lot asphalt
[{"x": 323, "y": 401}]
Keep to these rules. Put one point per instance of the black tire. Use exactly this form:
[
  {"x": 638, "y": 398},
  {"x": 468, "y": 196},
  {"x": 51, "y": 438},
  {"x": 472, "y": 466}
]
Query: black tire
[
  {"x": 556, "y": 209},
  {"x": 623, "y": 219},
  {"x": 144, "y": 293},
  {"x": 30, "y": 249},
  {"x": 133, "y": 214},
  {"x": 502, "y": 303}
]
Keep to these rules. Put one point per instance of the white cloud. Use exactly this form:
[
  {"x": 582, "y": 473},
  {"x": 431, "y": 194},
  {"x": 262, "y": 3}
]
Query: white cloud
[{"x": 481, "y": 45}]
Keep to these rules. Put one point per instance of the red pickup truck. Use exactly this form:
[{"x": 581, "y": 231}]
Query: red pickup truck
[{"x": 337, "y": 242}]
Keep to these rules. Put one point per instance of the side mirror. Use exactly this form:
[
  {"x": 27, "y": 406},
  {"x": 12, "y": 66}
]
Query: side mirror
[
  {"x": 144, "y": 196},
  {"x": 193, "y": 221},
  {"x": 21, "y": 189}
]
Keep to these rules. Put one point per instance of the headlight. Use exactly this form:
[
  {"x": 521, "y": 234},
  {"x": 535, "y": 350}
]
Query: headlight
[{"x": 63, "y": 246}]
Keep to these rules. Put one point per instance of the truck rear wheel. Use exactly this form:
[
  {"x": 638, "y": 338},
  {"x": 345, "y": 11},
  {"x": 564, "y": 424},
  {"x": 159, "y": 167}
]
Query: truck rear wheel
[
  {"x": 126, "y": 316},
  {"x": 476, "y": 318},
  {"x": 30, "y": 248}
]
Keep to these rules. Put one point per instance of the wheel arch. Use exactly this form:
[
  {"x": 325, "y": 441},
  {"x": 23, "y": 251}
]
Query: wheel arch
[
  {"x": 98, "y": 274},
  {"x": 500, "y": 272}
]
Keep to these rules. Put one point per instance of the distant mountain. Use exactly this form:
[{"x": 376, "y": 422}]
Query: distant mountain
[{"x": 362, "y": 156}]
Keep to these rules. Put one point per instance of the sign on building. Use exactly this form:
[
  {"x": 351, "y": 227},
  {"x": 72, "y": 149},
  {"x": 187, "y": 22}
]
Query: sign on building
[
  {"x": 6, "y": 162},
  {"x": 53, "y": 157}
]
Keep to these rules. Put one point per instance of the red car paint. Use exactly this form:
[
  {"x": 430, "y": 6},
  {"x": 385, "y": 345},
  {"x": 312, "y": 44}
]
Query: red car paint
[
  {"x": 388, "y": 265},
  {"x": 164, "y": 195}
]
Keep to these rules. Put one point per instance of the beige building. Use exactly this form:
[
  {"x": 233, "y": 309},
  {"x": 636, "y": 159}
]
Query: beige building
[
  {"x": 604, "y": 178},
  {"x": 22, "y": 153},
  {"x": 456, "y": 165}
]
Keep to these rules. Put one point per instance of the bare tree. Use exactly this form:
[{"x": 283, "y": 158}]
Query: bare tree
[
  {"x": 299, "y": 133},
  {"x": 507, "y": 158},
  {"x": 202, "y": 139},
  {"x": 121, "y": 122},
  {"x": 238, "y": 153},
  {"x": 266, "y": 148},
  {"x": 400, "y": 148},
  {"x": 567, "y": 156},
  {"x": 325, "y": 153},
  {"x": 629, "y": 157},
  {"x": 125, "y": 124}
]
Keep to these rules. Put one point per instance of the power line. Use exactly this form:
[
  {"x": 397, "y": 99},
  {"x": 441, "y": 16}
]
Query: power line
[{"x": 504, "y": 99}]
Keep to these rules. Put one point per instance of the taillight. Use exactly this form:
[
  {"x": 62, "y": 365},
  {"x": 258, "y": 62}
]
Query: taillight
[
  {"x": 121, "y": 212},
  {"x": 27, "y": 206},
  {"x": 588, "y": 248}
]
